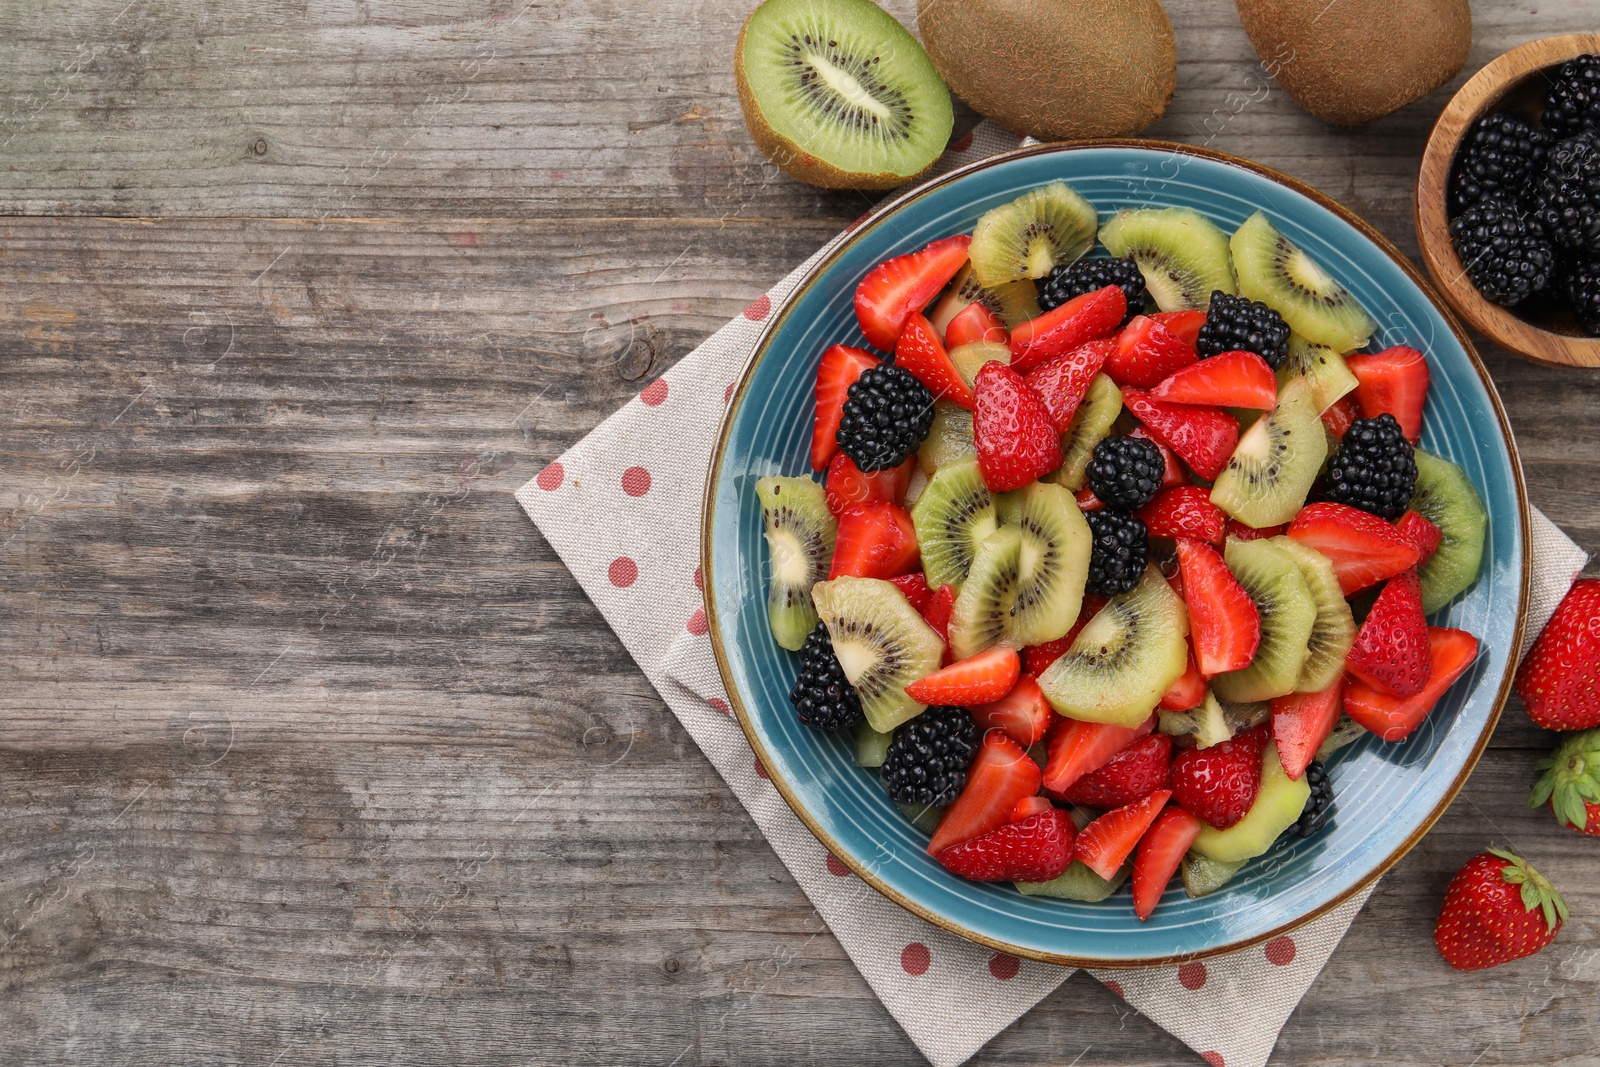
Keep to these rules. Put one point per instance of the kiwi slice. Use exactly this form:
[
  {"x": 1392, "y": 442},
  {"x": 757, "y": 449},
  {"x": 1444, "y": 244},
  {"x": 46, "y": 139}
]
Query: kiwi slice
[
  {"x": 982, "y": 613},
  {"x": 1055, "y": 564},
  {"x": 953, "y": 516},
  {"x": 1272, "y": 579},
  {"x": 1098, "y": 412},
  {"x": 1277, "y": 807},
  {"x": 839, "y": 94},
  {"x": 1181, "y": 253},
  {"x": 1014, "y": 302},
  {"x": 882, "y": 644},
  {"x": 968, "y": 358},
  {"x": 872, "y": 747},
  {"x": 800, "y": 535},
  {"x": 1322, "y": 368},
  {"x": 1271, "y": 471},
  {"x": 949, "y": 437},
  {"x": 1124, "y": 659},
  {"x": 1345, "y": 731},
  {"x": 1334, "y": 630},
  {"x": 1446, "y": 497},
  {"x": 1032, "y": 235},
  {"x": 1213, "y": 722},
  {"x": 1078, "y": 882},
  {"x": 1273, "y": 270},
  {"x": 1203, "y": 875},
  {"x": 924, "y": 817}
]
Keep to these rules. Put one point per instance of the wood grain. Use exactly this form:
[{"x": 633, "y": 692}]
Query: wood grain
[{"x": 310, "y": 750}]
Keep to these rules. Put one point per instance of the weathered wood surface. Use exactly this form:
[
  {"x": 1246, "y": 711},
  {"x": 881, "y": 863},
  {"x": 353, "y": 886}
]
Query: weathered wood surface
[{"x": 310, "y": 751}]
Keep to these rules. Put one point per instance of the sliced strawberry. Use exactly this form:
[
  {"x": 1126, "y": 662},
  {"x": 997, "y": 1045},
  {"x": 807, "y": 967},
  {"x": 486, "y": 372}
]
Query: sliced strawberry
[
  {"x": 1392, "y": 649},
  {"x": 1104, "y": 844},
  {"x": 980, "y": 679},
  {"x": 1172, "y": 474},
  {"x": 1023, "y": 714},
  {"x": 1036, "y": 658},
  {"x": 1147, "y": 354},
  {"x": 940, "y": 605},
  {"x": 1185, "y": 325},
  {"x": 1062, "y": 382},
  {"x": 1221, "y": 782},
  {"x": 914, "y": 587},
  {"x": 848, "y": 485},
  {"x": 1077, "y": 747},
  {"x": 1363, "y": 548},
  {"x": 1223, "y": 621},
  {"x": 1028, "y": 807},
  {"x": 1077, "y": 322},
  {"x": 1087, "y": 501},
  {"x": 1036, "y": 849},
  {"x": 976, "y": 323},
  {"x": 1015, "y": 438},
  {"x": 1188, "y": 691},
  {"x": 921, "y": 352},
  {"x": 840, "y": 367},
  {"x": 1393, "y": 718},
  {"x": 875, "y": 541},
  {"x": 1185, "y": 511},
  {"x": 1301, "y": 722},
  {"x": 899, "y": 288},
  {"x": 1132, "y": 774},
  {"x": 1424, "y": 533},
  {"x": 1339, "y": 417},
  {"x": 1001, "y": 775},
  {"x": 1161, "y": 850},
  {"x": 1203, "y": 437},
  {"x": 1238, "y": 531},
  {"x": 1229, "y": 380},
  {"x": 1394, "y": 380}
]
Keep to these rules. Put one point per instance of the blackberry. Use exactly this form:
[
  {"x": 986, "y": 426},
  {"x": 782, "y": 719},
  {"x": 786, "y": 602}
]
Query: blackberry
[
  {"x": 1506, "y": 255},
  {"x": 1582, "y": 285},
  {"x": 887, "y": 413},
  {"x": 1374, "y": 468},
  {"x": 1236, "y": 323},
  {"x": 1125, "y": 472},
  {"x": 1319, "y": 805},
  {"x": 822, "y": 697},
  {"x": 1568, "y": 195},
  {"x": 927, "y": 760},
  {"x": 1120, "y": 550},
  {"x": 1572, "y": 102},
  {"x": 1500, "y": 154},
  {"x": 1087, "y": 276}
]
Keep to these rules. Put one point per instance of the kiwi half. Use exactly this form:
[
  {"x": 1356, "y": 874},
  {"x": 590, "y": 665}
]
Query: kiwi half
[
  {"x": 1098, "y": 412},
  {"x": 1078, "y": 882},
  {"x": 1334, "y": 629},
  {"x": 1273, "y": 270},
  {"x": 949, "y": 437},
  {"x": 800, "y": 536},
  {"x": 1031, "y": 235},
  {"x": 1275, "y": 462},
  {"x": 1272, "y": 579},
  {"x": 969, "y": 357},
  {"x": 1055, "y": 564},
  {"x": 1183, "y": 256},
  {"x": 1277, "y": 806},
  {"x": 982, "y": 613},
  {"x": 953, "y": 516},
  {"x": 1014, "y": 302},
  {"x": 1124, "y": 659},
  {"x": 839, "y": 94},
  {"x": 882, "y": 644},
  {"x": 1446, "y": 497},
  {"x": 1203, "y": 875},
  {"x": 1322, "y": 368}
]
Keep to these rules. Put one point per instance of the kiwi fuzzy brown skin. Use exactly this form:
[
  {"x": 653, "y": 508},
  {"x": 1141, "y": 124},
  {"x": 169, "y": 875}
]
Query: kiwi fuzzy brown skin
[
  {"x": 1055, "y": 69},
  {"x": 1353, "y": 61}
]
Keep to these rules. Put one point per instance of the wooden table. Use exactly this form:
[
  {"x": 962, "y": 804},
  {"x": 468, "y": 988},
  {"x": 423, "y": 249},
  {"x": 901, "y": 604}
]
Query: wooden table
[{"x": 311, "y": 752}]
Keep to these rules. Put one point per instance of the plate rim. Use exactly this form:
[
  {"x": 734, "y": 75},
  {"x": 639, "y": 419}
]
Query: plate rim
[{"x": 829, "y": 254}]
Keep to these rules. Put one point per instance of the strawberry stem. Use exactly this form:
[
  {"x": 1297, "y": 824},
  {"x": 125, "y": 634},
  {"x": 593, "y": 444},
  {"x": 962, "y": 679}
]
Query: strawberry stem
[
  {"x": 1571, "y": 778},
  {"x": 1536, "y": 890}
]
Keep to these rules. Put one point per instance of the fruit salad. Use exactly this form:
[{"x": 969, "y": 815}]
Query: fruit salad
[{"x": 1122, "y": 531}]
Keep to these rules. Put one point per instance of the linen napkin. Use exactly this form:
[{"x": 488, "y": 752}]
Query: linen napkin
[{"x": 642, "y": 471}]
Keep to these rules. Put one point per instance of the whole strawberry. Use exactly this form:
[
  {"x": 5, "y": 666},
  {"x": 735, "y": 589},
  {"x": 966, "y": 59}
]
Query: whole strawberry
[
  {"x": 1016, "y": 441},
  {"x": 1559, "y": 682},
  {"x": 1219, "y": 783},
  {"x": 1036, "y": 849},
  {"x": 1571, "y": 782},
  {"x": 1497, "y": 909}
]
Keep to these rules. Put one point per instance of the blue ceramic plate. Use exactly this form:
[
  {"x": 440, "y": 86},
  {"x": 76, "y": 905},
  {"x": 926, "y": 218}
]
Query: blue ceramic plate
[{"x": 1388, "y": 795}]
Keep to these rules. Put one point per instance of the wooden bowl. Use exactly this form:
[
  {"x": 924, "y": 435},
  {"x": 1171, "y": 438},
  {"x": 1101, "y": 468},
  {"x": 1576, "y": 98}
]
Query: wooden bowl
[{"x": 1541, "y": 330}]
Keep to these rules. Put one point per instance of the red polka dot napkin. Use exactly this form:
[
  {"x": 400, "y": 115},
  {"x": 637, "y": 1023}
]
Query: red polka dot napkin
[{"x": 622, "y": 508}]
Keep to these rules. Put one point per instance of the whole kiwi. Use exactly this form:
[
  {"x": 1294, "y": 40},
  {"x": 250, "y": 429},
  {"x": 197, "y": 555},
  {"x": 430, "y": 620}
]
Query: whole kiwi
[
  {"x": 1055, "y": 69},
  {"x": 1352, "y": 61}
]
